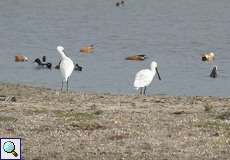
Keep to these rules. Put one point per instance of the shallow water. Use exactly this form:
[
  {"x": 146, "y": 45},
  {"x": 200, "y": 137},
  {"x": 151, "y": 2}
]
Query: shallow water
[{"x": 174, "y": 34}]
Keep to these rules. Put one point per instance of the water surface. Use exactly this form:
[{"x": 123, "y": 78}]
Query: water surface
[{"x": 173, "y": 33}]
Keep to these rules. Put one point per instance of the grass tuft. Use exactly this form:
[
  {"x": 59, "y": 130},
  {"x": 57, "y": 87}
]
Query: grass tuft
[
  {"x": 7, "y": 119},
  {"x": 224, "y": 116},
  {"x": 74, "y": 116}
]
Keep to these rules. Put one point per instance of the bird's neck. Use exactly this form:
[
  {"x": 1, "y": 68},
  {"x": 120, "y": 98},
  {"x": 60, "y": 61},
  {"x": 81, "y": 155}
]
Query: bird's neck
[
  {"x": 38, "y": 62},
  {"x": 63, "y": 56}
]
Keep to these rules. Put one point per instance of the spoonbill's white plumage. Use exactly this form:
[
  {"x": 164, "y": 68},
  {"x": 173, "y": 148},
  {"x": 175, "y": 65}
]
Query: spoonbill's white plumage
[
  {"x": 144, "y": 77},
  {"x": 66, "y": 66}
]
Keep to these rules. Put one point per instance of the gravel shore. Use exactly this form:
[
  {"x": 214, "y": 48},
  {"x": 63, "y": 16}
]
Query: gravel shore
[{"x": 57, "y": 125}]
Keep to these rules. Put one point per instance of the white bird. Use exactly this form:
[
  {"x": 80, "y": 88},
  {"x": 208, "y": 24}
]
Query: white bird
[
  {"x": 66, "y": 66},
  {"x": 144, "y": 77}
]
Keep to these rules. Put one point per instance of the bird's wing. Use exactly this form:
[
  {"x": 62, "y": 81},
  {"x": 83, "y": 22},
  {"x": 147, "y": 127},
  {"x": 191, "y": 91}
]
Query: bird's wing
[
  {"x": 66, "y": 68},
  {"x": 143, "y": 78},
  {"x": 142, "y": 55}
]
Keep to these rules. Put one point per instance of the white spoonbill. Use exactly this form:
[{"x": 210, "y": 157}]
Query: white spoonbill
[
  {"x": 66, "y": 66},
  {"x": 144, "y": 77}
]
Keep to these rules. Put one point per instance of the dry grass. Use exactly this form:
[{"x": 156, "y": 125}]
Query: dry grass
[
  {"x": 56, "y": 125},
  {"x": 4, "y": 119}
]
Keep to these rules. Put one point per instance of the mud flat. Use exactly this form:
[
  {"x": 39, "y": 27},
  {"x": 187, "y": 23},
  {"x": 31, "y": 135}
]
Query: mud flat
[{"x": 72, "y": 126}]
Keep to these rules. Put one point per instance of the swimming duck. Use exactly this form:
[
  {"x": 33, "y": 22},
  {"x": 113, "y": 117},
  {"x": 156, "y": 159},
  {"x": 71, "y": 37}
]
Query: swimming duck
[
  {"x": 121, "y": 3},
  {"x": 87, "y": 49},
  {"x": 214, "y": 72},
  {"x": 139, "y": 57},
  {"x": 20, "y": 58},
  {"x": 209, "y": 57},
  {"x": 40, "y": 64}
]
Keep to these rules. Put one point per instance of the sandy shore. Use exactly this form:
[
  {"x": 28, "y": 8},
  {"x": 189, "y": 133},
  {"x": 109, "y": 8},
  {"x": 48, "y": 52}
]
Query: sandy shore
[{"x": 71, "y": 126}]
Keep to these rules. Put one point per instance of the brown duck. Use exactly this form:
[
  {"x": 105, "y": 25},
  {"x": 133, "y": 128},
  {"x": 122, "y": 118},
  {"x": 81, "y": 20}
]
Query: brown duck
[
  {"x": 87, "y": 49},
  {"x": 20, "y": 58},
  {"x": 209, "y": 57},
  {"x": 139, "y": 57}
]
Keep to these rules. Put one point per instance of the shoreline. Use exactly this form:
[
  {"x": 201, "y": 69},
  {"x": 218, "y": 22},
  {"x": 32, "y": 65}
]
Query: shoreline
[
  {"x": 79, "y": 125},
  {"x": 19, "y": 85}
]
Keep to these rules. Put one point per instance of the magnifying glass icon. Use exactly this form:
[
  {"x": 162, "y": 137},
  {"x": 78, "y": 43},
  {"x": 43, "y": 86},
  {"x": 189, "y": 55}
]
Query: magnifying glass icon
[{"x": 9, "y": 147}]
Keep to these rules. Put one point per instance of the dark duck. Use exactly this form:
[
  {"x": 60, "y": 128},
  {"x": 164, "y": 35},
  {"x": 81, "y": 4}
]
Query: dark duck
[
  {"x": 76, "y": 67},
  {"x": 214, "y": 74},
  {"x": 121, "y": 3},
  {"x": 43, "y": 64}
]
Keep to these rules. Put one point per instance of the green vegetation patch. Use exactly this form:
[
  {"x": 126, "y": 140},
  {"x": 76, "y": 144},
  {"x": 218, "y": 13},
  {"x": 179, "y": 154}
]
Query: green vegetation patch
[
  {"x": 224, "y": 115},
  {"x": 7, "y": 119},
  {"x": 34, "y": 111},
  {"x": 88, "y": 126},
  {"x": 74, "y": 116},
  {"x": 213, "y": 124}
]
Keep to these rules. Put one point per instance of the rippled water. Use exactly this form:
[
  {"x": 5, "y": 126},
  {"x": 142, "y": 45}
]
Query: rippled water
[{"x": 173, "y": 33}]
